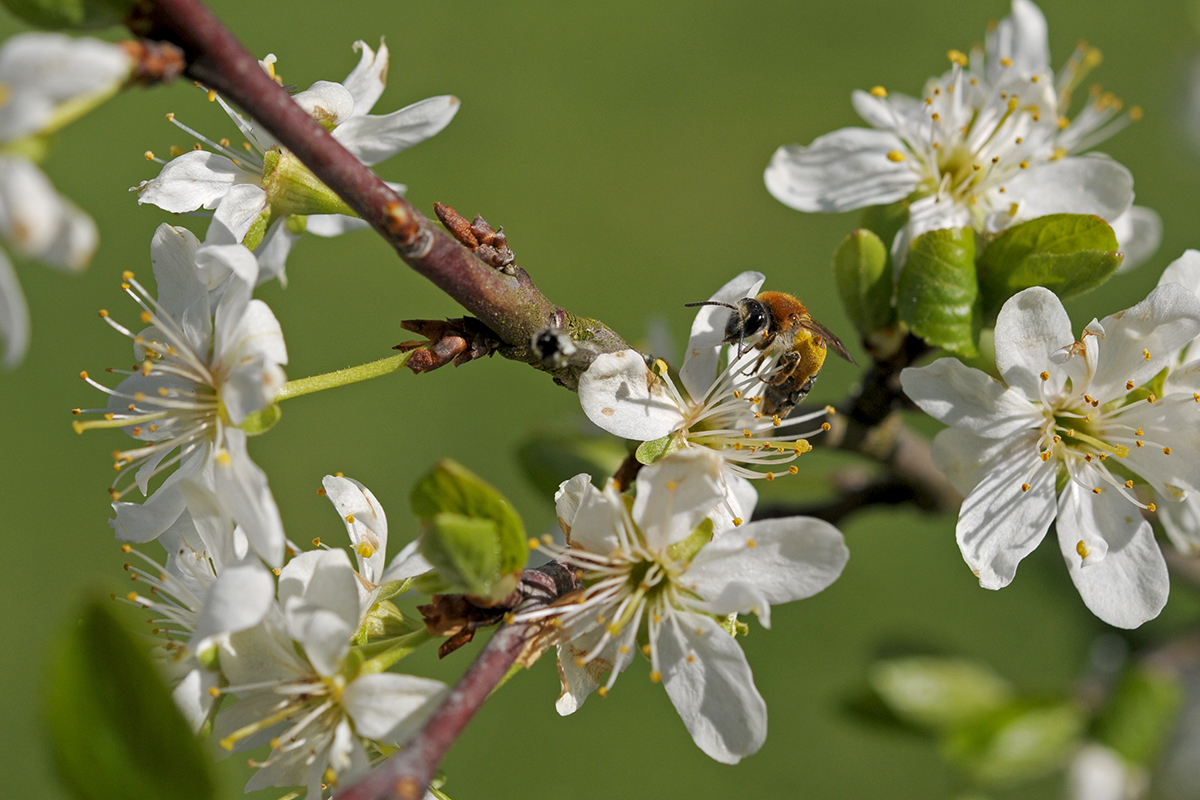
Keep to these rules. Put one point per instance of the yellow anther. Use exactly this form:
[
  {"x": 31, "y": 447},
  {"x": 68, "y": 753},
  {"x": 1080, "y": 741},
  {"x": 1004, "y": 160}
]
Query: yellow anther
[
  {"x": 316, "y": 542},
  {"x": 1150, "y": 398},
  {"x": 212, "y": 96},
  {"x": 737, "y": 394},
  {"x": 1024, "y": 165},
  {"x": 646, "y": 650},
  {"x": 1135, "y": 113},
  {"x": 896, "y": 155},
  {"x": 936, "y": 116},
  {"x": 349, "y": 518},
  {"x": 776, "y": 421},
  {"x": 976, "y": 167},
  {"x": 223, "y": 458},
  {"x": 1151, "y": 507},
  {"x": 214, "y": 692},
  {"x": 751, "y": 543},
  {"x": 661, "y": 366},
  {"x": 365, "y": 550},
  {"x": 1024, "y": 487},
  {"x": 958, "y": 57},
  {"x": 825, "y": 426},
  {"x": 1138, "y": 432},
  {"x": 655, "y": 676},
  {"x": 737, "y": 521},
  {"x": 1045, "y": 455},
  {"x": 1166, "y": 451},
  {"x": 879, "y": 91},
  {"x": 149, "y": 154},
  {"x": 1013, "y": 208},
  {"x": 132, "y": 597},
  {"x": 1019, "y": 140},
  {"x": 1081, "y": 548},
  {"x": 793, "y": 469},
  {"x": 672, "y": 485},
  {"x": 83, "y": 375},
  {"x": 1045, "y": 376},
  {"x": 1006, "y": 62},
  {"x": 770, "y": 476},
  {"x": 532, "y": 544},
  {"x": 1128, "y": 484},
  {"x": 1146, "y": 354},
  {"x": 1140, "y": 443},
  {"x": 746, "y": 434}
]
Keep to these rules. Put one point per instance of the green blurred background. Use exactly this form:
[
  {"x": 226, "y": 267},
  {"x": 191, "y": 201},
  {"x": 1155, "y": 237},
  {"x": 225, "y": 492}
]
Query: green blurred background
[{"x": 621, "y": 145}]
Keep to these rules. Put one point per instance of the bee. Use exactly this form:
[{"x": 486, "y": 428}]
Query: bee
[{"x": 787, "y": 329}]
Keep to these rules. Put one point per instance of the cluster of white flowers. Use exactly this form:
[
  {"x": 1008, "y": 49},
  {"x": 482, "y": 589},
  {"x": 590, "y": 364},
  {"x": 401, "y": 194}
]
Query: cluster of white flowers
[
  {"x": 988, "y": 145},
  {"x": 282, "y": 646}
]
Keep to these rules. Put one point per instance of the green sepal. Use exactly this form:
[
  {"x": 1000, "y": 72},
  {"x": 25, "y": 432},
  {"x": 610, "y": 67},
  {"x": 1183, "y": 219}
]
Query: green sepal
[
  {"x": 382, "y": 655},
  {"x": 1069, "y": 254},
  {"x": 549, "y": 459},
  {"x": 649, "y": 452},
  {"x": 938, "y": 693},
  {"x": 296, "y": 223},
  {"x": 61, "y": 14},
  {"x": 733, "y": 626},
  {"x": 292, "y": 188},
  {"x": 865, "y": 281},
  {"x": 385, "y": 620},
  {"x": 1141, "y": 713},
  {"x": 258, "y": 230},
  {"x": 937, "y": 294},
  {"x": 684, "y": 551},
  {"x": 451, "y": 487},
  {"x": 1020, "y": 741},
  {"x": 116, "y": 732},
  {"x": 262, "y": 420}
]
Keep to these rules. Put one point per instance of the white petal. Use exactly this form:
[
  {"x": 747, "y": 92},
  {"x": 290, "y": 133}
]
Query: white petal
[
  {"x": 238, "y": 600},
  {"x": 1031, "y": 327},
  {"x": 366, "y": 81},
  {"x": 369, "y": 526},
  {"x": 841, "y": 171},
  {"x": 1185, "y": 271},
  {"x": 380, "y": 703},
  {"x": 182, "y": 296},
  {"x": 1020, "y": 38},
  {"x": 375, "y": 138},
  {"x": 896, "y": 112},
  {"x": 675, "y": 494},
  {"x": 273, "y": 251},
  {"x": 580, "y": 680},
  {"x": 75, "y": 241},
  {"x": 701, "y": 362},
  {"x": 192, "y": 696},
  {"x": 708, "y": 680},
  {"x": 1140, "y": 341},
  {"x": 239, "y": 208},
  {"x": 596, "y": 520},
  {"x": 319, "y": 596},
  {"x": 333, "y": 224},
  {"x": 14, "y": 315},
  {"x": 408, "y": 563},
  {"x": 781, "y": 559},
  {"x": 1130, "y": 585},
  {"x": 1139, "y": 233},
  {"x": 1098, "y": 773},
  {"x": 967, "y": 398},
  {"x": 30, "y": 207},
  {"x": 139, "y": 523},
  {"x": 243, "y": 489},
  {"x": 620, "y": 394},
  {"x": 1181, "y": 521},
  {"x": 964, "y": 457},
  {"x": 326, "y": 101},
  {"x": 739, "y": 502},
  {"x": 999, "y": 523},
  {"x": 1090, "y": 184},
  {"x": 568, "y": 498},
  {"x": 198, "y": 179}
]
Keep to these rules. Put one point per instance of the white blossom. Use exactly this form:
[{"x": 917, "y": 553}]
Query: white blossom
[
  {"x": 46, "y": 81},
  {"x": 988, "y": 145},
  {"x": 657, "y": 563},
  {"x": 262, "y": 195},
  {"x": 1073, "y": 434},
  {"x": 715, "y": 409},
  {"x": 210, "y": 359}
]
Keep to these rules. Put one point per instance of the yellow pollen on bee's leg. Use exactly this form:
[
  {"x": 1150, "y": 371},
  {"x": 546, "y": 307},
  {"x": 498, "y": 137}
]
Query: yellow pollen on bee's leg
[{"x": 1081, "y": 548}]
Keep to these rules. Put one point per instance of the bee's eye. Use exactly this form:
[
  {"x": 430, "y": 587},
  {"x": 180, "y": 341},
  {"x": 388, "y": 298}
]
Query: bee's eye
[{"x": 756, "y": 319}]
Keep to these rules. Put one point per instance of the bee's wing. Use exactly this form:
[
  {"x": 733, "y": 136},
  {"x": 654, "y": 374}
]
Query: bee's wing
[{"x": 812, "y": 325}]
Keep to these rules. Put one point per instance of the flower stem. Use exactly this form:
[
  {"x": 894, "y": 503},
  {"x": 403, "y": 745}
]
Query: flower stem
[
  {"x": 342, "y": 377},
  {"x": 395, "y": 650}
]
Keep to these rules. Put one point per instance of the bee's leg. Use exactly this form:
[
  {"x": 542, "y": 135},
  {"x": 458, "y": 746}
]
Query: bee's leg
[
  {"x": 780, "y": 398},
  {"x": 786, "y": 368}
]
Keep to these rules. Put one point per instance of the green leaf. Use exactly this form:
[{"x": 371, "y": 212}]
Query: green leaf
[
  {"x": 1069, "y": 254},
  {"x": 1140, "y": 713},
  {"x": 865, "y": 281},
  {"x": 451, "y": 487},
  {"x": 465, "y": 551},
  {"x": 1019, "y": 742},
  {"x": 548, "y": 459},
  {"x": 262, "y": 421},
  {"x": 58, "y": 14},
  {"x": 116, "y": 732},
  {"x": 939, "y": 693},
  {"x": 649, "y": 452},
  {"x": 937, "y": 294}
]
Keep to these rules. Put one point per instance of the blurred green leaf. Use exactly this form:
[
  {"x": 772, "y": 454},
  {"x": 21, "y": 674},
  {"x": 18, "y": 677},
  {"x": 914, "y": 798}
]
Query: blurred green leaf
[
  {"x": 1069, "y": 254},
  {"x": 937, "y": 294},
  {"x": 649, "y": 452},
  {"x": 262, "y": 421},
  {"x": 466, "y": 553},
  {"x": 549, "y": 459},
  {"x": 1141, "y": 713},
  {"x": 58, "y": 14},
  {"x": 115, "y": 730},
  {"x": 865, "y": 281},
  {"x": 939, "y": 693},
  {"x": 885, "y": 221},
  {"x": 1019, "y": 742},
  {"x": 450, "y": 487}
]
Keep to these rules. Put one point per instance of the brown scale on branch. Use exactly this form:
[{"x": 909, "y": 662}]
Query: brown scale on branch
[
  {"x": 450, "y": 341},
  {"x": 153, "y": 62},
  {"x": 491, "y": 246}
]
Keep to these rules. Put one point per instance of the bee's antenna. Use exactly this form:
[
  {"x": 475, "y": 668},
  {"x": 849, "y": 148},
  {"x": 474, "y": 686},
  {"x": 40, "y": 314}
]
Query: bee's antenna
[{"x": 711, "y": 303}]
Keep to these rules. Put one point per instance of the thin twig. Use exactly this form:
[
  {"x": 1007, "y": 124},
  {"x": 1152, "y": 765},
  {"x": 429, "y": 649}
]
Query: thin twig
[{"x": 506, "y": 301}]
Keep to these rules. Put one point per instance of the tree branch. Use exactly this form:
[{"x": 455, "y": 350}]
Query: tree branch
[{"x": 506, "y": 301}]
